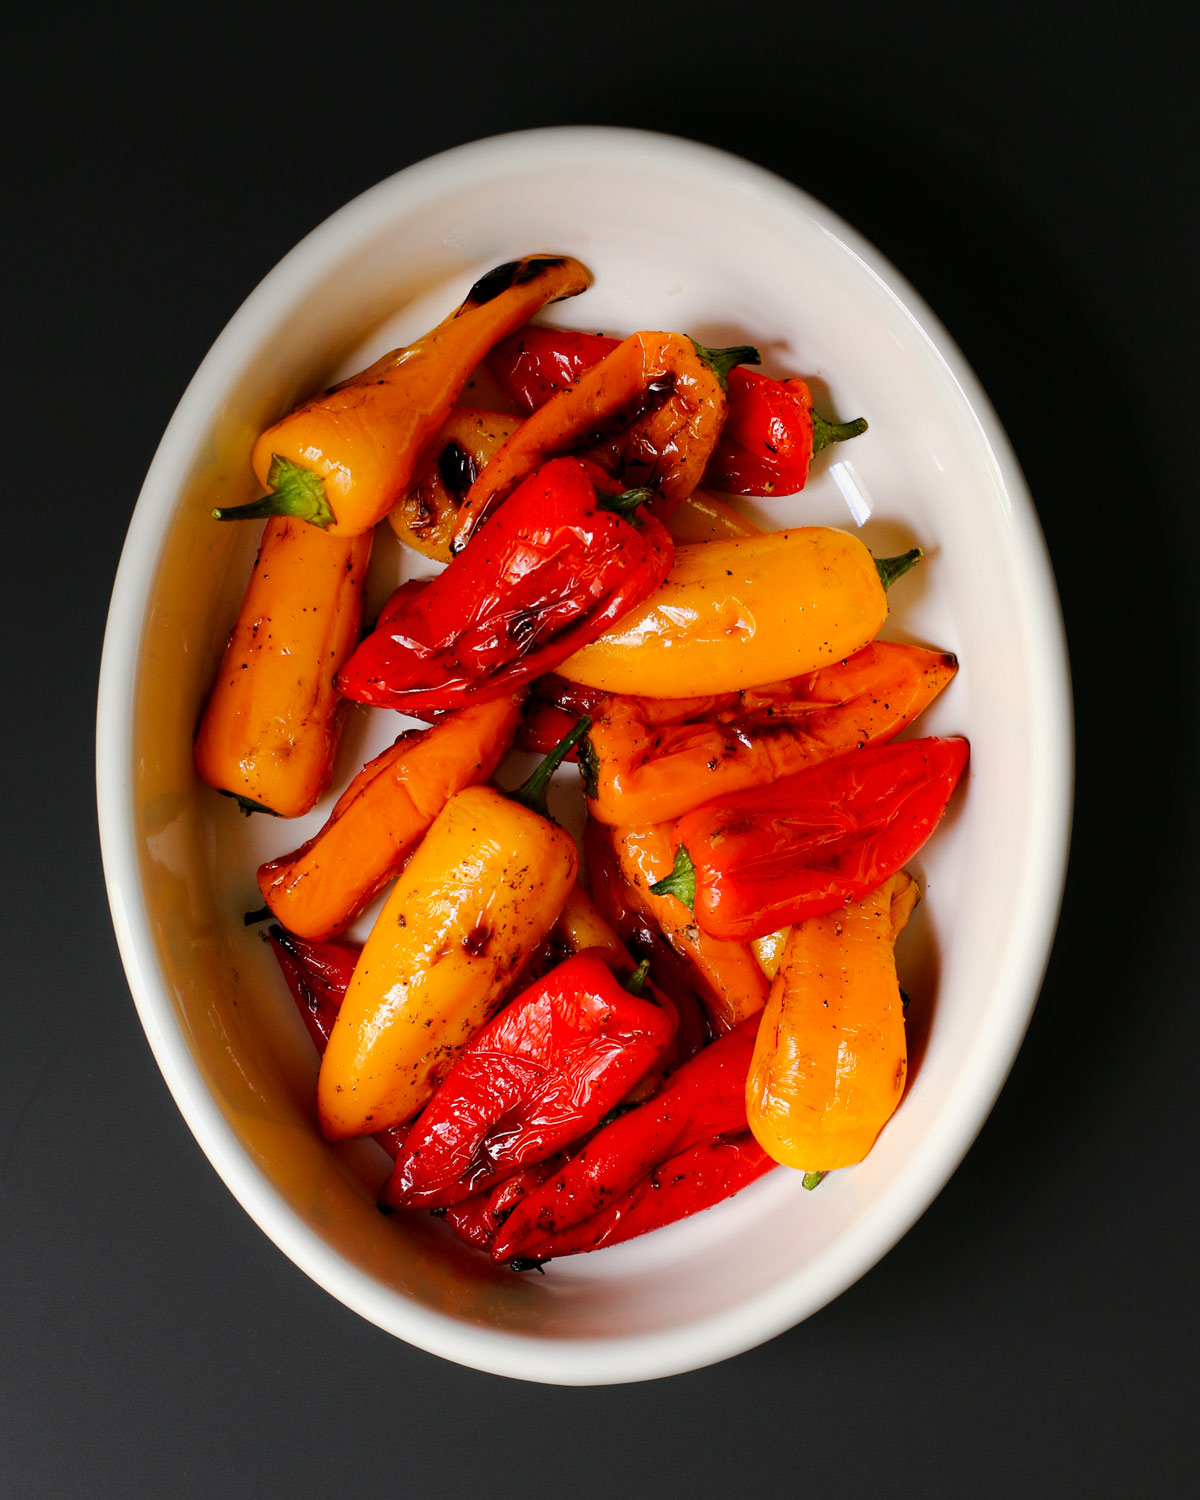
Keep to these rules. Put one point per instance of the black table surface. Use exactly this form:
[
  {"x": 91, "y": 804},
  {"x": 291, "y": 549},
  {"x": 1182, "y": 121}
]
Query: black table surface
[{"x": 1031, "y": 170}]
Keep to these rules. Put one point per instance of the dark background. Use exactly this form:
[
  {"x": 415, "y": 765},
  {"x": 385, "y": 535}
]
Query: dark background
[{"x": 1031, "y": 170}]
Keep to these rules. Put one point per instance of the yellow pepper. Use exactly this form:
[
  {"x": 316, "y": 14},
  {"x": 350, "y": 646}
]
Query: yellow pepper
[
  {"x": 743, "y": 612},
  {"x": 484, "y": 888},
  {"x": 831, "y": 1058},
  {"x": 342, "y": 459}
]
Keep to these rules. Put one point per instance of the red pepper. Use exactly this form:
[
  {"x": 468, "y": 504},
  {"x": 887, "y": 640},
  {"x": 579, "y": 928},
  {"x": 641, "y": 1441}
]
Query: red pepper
[
  {"x": 771, "y": 432},
  {"x": 554, "y": 567},
  {"x": 800, "y": 847},
  {"x": 704, "y": 1101},
  {"x": 543, "y": 1073},
  {"x": 317, "y": 975},
  {"x": 477, "y": 1219},
  {"x": 692, "y": 1180}
]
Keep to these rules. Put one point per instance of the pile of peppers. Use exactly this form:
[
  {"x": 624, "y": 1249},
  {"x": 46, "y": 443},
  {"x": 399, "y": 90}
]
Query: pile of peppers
[{"x": 561, "y": 1043}]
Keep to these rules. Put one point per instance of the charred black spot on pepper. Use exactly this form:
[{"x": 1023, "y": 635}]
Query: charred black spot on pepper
[
  {"x": 457, "y": 470},
  {"x": 475, "y": 941},
  {"x": 534, "y": 267},
  {"x": 497, "y": 280}
]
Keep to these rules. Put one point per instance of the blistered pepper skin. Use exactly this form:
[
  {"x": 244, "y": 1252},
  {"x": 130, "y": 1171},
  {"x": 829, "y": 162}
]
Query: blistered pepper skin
[
  {"x": 740, "y": 613},
  {"x": 481, "y": 892}
]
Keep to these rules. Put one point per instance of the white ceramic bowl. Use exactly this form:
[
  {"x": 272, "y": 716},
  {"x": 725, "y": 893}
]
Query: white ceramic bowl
[{"x": 678, "y": 236}]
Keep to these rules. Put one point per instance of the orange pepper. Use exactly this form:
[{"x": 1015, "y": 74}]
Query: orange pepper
[
  {"x": 669, "y": 389},
  {"x": 342, "y": 459},
  {"x": 735, "y": 984},
  {"x": 831, "y": 1057},
  {"x": 644, "y": 767},
  {"x": 271, "y": 724},
  {"x": 739, "y": 613},
  {"x": 321, "y": 887}
]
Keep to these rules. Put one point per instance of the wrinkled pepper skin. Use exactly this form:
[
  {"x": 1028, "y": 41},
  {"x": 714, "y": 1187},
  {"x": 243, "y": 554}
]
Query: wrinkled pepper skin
[
  {"x": 552, "y": 571},
  {"x": 668, "y": 392},
  {"x": 482, "y": 891},
  {"x": 734, "y": 983},
  {"x": 425, "y": 515},
  {"x": 703, "y": 1101},
  {"x": 271, "y": 725},
  {"x": 342, "y": 459},
  {"x": 685, "y": 1184},
  {"x": 808, "y": 843},
  {"x": 539, "y": 1075},
  {"x": 831, "y": 1056},
  {"x": 770, "y": 434},
  {"x": 320, "y": 888},
  {"x": 646, "y": 767},
  {"x": 741, "y": 613}
]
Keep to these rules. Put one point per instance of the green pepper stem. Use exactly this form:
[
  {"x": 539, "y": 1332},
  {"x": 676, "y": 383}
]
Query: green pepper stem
[
  {"x": 637, "y": 979},
  {"x": 627, "y": 501},
  {"x": 681, "y": 882},
  {"x": 811, "y": 1179},
  {"x": 825, "y": 432},
  {"x": 295, "y": 491},
  {"x": 891, "y": 568},
  {"x": 532, "y": 793},
  {"x": 721, "y": 361},
  {"x": 589, "y": 767}
]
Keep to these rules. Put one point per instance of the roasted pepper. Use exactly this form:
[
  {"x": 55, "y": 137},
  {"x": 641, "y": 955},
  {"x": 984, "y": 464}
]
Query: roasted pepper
[
  {"x": 271, "y": 724},
  {"x": 568, "y": 556},
  {"x": 771, "y": 432},
  {"x": 317, "y": 975},
  {"x": 805, "y": 845},
  {"x": 735, "y": 986},
  {"x": 644, "y": 766},
  {"x": 481, "y": 892},
  {"x": 321, "y": 887},
  {"x": 831, "y": 1057},
  {"x": 541, "y": 1074},
  {"x": 701, "y": 1103},
  {"x": 744, "y": 612},
  {"x": 697, "y": 1178},
  {"x": 668, "y": 392},
  {"x": 342, "y": 459},
  {"x": 425, "y": 515},
  {"x": 675, "y": 976}
]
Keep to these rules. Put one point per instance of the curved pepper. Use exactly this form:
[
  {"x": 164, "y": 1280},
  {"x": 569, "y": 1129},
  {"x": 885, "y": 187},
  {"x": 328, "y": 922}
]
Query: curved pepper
[
  {"x": 320, "y": 888},
  {"x": 803, "y": 846},
  {"x": 272, "y": 721},
  {"x": 566, "y": 558},
  {"x": 703, "y": 1101},
  {"x": 342, "y": 459},
  {"x": 831, "y": 1057},
  {"x": 744, "y": 612},
  {"x": 685, "y": 1184},
  {"x": 541, "y": 1074},
  {"x": 668, "y": 390},
  {"x": 645, "y": 766},
  {"x": 477, "y": 898},
  {"x": 771, "y": 432}
]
